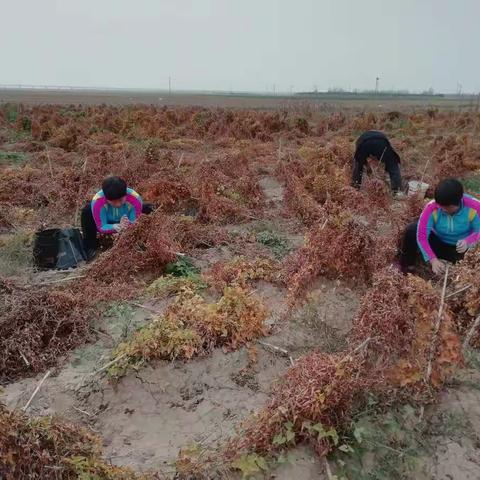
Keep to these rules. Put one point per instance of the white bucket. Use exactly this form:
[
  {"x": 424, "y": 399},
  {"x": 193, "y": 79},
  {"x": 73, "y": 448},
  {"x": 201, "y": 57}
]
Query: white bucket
[{"x": 417, "y": 188}]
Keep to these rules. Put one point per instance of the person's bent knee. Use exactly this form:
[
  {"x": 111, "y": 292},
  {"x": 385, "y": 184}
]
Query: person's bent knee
[{"x": 411, "y": 230}]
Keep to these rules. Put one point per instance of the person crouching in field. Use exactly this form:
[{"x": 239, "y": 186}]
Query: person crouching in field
[
  {"x": 448, "y": 226},
  {"x": 376, "y": 144},
  {"x": 111, "y": 211}
]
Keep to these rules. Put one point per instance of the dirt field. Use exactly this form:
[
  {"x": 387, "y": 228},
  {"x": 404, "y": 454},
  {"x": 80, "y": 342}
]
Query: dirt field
[
  {"x": 319, "y": 102},
  {"x": 287, "y": 304}
]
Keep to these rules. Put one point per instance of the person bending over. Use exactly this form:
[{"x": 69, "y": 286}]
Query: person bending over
[
  {"x": 447, "y": 227},
  {"x": 111, "y": 210},
  {"x": 376, "y": 144}
]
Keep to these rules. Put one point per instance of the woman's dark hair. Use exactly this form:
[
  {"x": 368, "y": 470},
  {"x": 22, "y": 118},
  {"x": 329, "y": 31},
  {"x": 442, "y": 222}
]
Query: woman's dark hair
[
  {"x": 114, "y": 188},
  {"x": 449, "y": 192}
]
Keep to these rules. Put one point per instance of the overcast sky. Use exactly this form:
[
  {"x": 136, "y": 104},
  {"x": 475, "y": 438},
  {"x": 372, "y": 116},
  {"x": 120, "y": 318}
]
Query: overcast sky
[{"x": 247, "y": 45}]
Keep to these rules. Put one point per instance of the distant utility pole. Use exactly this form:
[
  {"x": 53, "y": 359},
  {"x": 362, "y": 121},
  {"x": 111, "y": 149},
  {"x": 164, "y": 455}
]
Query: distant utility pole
[
  {"x": 169, "y": 85},
  {"x": 377, "y": 80},
  {"x": 274, "y": 87}
]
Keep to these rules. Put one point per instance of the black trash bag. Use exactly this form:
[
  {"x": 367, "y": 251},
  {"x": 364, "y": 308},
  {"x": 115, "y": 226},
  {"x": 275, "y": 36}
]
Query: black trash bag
[{"x": 58, "y": 249}]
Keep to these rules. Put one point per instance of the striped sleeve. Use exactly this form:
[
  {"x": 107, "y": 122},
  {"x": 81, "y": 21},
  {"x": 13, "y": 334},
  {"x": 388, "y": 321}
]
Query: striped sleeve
[
  {"x": 474, "y": 219},
  {"x": 134, "y": 199},
  {"x": 100, "y": 215},
  {"x": 425, "y": 226}
]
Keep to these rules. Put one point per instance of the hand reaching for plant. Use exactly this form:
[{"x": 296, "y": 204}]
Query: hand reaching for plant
[
  {"x": 124, "y": 223},
  {"x": 438, "y": 266},
  {"x": 462, "y": 246}
]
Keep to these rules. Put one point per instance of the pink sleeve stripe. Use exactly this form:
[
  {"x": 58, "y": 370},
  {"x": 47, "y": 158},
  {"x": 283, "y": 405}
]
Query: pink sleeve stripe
[
  {"x": 96, "y": 209},
  {"x": 135, "y": 202},
  {"x": 472, "y": 238},
  {"x": 471, "y": 202},
  {"x": 422, "y": 230}
]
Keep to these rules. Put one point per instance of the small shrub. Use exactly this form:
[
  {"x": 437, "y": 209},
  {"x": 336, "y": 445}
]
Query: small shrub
[
  {"x": 241, "y": 272},
  {"x": 182, "y": 267},
  {"x": 341, "y": 246},
  {"x": 49, "y": 448},
  {"x": 466, "y": 305},
  {"x": 192, "y": 326},
  {"x": 40, "y": 324},
  {"x": 170, "y": 284},
  {"x": 278, "y": 245},
  {"x": 16, "y": 254}
]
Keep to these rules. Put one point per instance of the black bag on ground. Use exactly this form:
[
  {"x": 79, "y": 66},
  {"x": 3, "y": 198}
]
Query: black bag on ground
[{"x": 58, "y": 248}]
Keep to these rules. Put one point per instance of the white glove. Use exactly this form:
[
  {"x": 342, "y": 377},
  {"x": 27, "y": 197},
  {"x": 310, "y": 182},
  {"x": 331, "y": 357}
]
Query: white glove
[
  {"x": 438, "y": 266},
  {"x": 462, "y": 246}
]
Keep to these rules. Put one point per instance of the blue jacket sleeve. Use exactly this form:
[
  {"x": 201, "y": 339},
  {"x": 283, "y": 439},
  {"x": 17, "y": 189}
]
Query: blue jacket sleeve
[{"x": 105, "y": 225}]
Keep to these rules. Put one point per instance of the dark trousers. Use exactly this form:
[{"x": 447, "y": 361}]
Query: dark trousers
[
  {"x": 383, "y": 151},
  {"x": 410, "y": 252},
  {"x": 89, "y": 227}
]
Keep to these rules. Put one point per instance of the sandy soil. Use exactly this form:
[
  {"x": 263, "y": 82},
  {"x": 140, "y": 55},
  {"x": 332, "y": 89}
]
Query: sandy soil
[{"x": 457, "y": 456}]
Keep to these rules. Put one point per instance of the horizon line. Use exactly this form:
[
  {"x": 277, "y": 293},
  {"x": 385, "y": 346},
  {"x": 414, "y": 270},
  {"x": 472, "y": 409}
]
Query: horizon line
[{"x": 330, "y": 91}]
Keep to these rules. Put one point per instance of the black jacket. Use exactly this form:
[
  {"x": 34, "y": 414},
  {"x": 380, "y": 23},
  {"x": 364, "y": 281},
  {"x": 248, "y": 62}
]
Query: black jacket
[{"x": 375, "y": 144}]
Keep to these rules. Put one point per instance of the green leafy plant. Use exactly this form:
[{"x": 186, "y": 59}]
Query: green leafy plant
[
  {"x": 169, "y": 285},
  {"x": 12, "y": 158},
  {"x": 394, "y": 442},
  {"x": 182, "y": 267},
  {"x": 287, "y": 436},
  {"x": 472, "y": 184},
  {"x": 278, "y": 245},
  {"x": 320, "y": 432},
  {"x": 250, "y": 464}
]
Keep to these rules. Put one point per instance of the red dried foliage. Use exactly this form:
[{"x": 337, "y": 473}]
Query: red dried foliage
[
  {"x": 322, "y": 175},
  {"x": 375, "y": 198},
  {"x": 456, "y": 155},
  {"x": 145, "y": 248},
  {"x": 41, "y": 447},
  {"x": 401, "y": 326},
  {"x": 412, "y": 209},
  {"x": 466, "y": 305},
  {"x": 389, "y": 350},
  {"x": 320, "y": 388},
  {"x": 322, "y": 171},
  {"x": 301, "y": 202},
  {"x": 170, "y": 194},
  {"x": 226, "y": 190},
  {"x": 190, "y": 233},
  {"x": 220, "y": 191},
  {"x": 40, "y": 325},
  {"x": 342, "y": 247},
  {"x": 241, "y": 272}
]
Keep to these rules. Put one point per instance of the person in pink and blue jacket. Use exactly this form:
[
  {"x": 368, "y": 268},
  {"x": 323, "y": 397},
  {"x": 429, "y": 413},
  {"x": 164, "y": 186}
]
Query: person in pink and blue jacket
[
  {"x": 448, "y": 226},
  {"x": 111, "y": 211}
]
